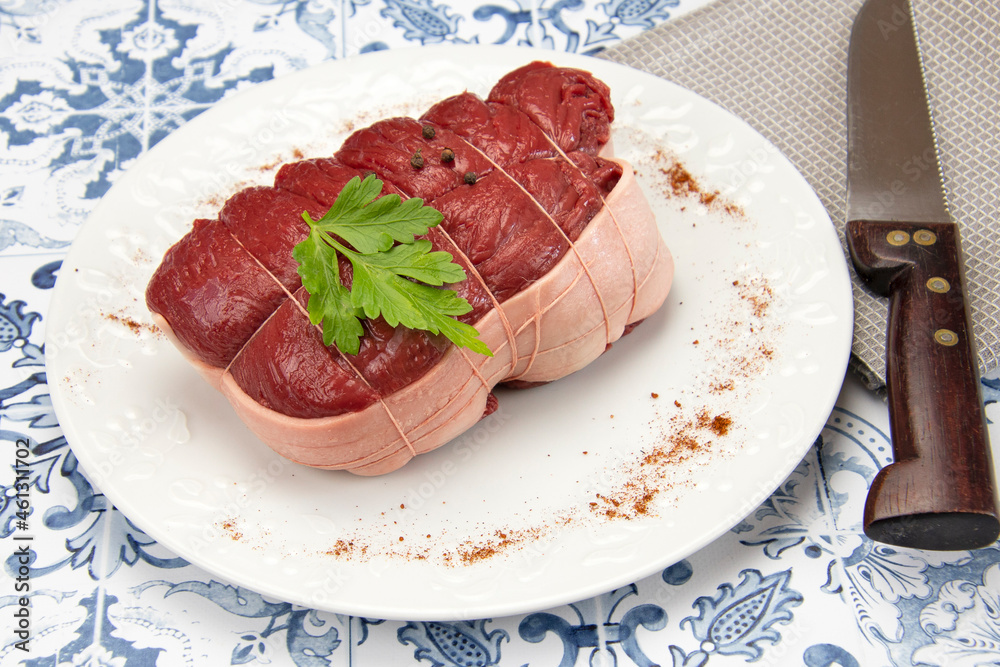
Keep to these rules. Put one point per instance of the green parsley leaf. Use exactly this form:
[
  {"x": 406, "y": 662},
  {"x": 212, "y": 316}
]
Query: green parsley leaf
[
  {"x": 395, "y": 275},
  {"x": 417, "y": 261},
  {"x": 329, "y": 301},
  {"x": 373, "y": 226}
]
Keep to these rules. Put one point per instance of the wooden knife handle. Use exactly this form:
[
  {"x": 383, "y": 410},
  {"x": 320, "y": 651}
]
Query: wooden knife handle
[{"x": 939, "y": 493}]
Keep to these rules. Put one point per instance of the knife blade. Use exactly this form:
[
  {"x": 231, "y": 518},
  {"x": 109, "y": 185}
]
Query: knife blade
[{"x": 939, "y": 492}]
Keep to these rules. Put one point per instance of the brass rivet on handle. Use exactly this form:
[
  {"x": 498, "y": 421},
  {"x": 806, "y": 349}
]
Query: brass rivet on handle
[
  {"x": 897, "y": 237},
  {"x": 946, "y": 337},
  {"x": 925, "y": 237},
  {"x": 938, "y": 284}
]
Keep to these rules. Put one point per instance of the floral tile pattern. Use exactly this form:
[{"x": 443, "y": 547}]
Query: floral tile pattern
[{"x": 86, "y": 88}]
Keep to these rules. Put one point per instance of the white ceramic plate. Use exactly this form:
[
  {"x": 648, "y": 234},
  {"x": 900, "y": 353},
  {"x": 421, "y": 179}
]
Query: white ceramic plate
[{"x": 567, "y": 491}]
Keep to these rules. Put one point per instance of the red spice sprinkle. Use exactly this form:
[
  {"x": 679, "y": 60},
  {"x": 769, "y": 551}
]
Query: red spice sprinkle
[
  {"x": 721, "y": 386},
  {"x": 721, "y": 424},
  {"x": 133, "y": 325},
  {"x": 342, "y": 548},
  {"x": 471, "y": 553},
  {"x": 684, "y": 184},
  {"x": 685, "y": 442},
  {"x": 230, "y": 526},
  {"x": 270, "y": 165},
  {"x": 680, "y": 183},
  {"x": 653, "y": 394},
  {"x": 759, "y": 295}
]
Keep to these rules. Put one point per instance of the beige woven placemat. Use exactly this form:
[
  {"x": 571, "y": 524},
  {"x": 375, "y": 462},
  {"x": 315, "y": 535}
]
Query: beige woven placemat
[{"x": 781, "y": 66}]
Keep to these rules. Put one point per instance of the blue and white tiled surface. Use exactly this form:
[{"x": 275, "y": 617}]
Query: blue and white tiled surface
[{"x": 85, "y": 88}]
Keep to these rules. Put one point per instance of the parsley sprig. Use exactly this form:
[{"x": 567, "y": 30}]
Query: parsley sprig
[{"x": 395, "y": 275}]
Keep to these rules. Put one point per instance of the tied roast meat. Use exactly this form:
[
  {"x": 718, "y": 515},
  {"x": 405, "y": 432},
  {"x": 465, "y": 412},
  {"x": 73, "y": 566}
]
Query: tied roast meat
[{"x": 560, "y": 247}]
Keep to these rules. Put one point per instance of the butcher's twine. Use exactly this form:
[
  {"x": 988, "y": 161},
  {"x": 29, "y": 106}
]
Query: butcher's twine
[{"x": 781, "y": 66}]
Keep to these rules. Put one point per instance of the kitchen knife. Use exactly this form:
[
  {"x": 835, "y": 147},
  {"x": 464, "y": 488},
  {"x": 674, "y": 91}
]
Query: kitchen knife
[{"x": 939, "y": 493}]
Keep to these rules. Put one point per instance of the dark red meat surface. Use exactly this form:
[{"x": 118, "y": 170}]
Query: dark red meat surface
[
  {"x": 569, "y": 105},
  {"x": 389, "y": 146},
  {"x": 503, "y": 133},
  {"x": 213, "y": 293},
  {"x": 319, "y": 179},
  {"x": 268, "y": 223},
  {"x": 604, "y": 174},
  {"x": 562, "y": 190},
  {"x": 286, "y": 367},
  {"x": 224, "y": 288},
  {"x": 506, "y": 236}
]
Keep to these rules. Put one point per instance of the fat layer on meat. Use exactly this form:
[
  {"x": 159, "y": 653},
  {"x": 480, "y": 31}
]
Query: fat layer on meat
[{"x": 560, "y": 247}]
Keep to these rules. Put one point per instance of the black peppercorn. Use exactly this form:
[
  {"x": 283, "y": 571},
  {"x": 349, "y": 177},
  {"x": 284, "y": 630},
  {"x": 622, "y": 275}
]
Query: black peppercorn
[
  {"x": 470, "y": 177},
  {"x": 428, "y": 132},
  {"x": 417, "y": 161},
  {"x": 447, "y": 155}
]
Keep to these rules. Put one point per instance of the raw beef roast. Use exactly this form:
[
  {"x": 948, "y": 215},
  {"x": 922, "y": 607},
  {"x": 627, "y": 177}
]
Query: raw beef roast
[{"x": 559, "y": 245}]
